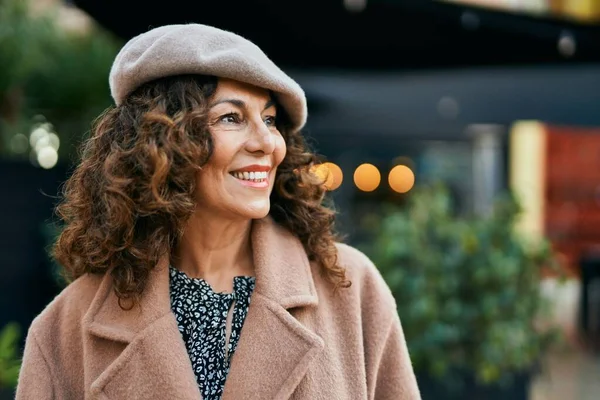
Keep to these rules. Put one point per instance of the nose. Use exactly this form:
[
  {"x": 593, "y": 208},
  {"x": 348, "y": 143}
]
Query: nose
[{"x": 262, "y": 140}]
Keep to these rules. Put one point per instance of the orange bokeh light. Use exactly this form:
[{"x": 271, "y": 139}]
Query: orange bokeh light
[
  {"x": 401, "y": 179},
  {"x": 367, "y": 177},
  {"x": 331, "y": 175}
]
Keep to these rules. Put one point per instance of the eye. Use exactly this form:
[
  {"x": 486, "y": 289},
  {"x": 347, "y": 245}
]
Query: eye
[
  {"x": 271, "y": 120},
  {"x": 230, "y": 118}
]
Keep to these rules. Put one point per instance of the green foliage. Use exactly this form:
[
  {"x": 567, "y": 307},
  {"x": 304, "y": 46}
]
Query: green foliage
[
  {"x": 9, "y": 356},
  {"x": 467, "y": 289},
  {"x": 18, "y": 35},
  {"x": 46, "y": 70}
]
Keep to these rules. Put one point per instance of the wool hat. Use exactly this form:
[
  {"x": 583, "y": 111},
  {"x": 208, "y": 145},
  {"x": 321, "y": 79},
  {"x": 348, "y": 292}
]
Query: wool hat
[{"x": 200, "y": 49}]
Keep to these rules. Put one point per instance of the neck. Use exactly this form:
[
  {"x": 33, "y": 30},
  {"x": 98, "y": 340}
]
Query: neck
[{"x": 215, "y": 249}]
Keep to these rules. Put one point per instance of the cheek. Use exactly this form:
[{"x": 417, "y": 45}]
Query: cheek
[
  {"x": 212, "y": 171},
  {"x": 225, "y": 148},
  {"x": 222, "y": 152}
]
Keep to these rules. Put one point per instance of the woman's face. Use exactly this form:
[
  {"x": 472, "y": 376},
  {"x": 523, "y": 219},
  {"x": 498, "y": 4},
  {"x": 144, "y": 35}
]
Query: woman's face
[{"x": 238, "y": 179}]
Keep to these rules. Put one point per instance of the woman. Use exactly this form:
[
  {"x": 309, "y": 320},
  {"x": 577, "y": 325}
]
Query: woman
[{"x": 203, "y": 263}]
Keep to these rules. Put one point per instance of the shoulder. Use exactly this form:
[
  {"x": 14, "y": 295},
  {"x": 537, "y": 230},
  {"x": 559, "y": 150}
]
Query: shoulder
[
  {"x": 66, "y": 311},
  {"x": 361, "y": 271},
  {"x": 367, "y": 284}
]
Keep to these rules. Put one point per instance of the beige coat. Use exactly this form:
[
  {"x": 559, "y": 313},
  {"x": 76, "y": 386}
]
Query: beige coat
[{"x": 299, "y": 340}]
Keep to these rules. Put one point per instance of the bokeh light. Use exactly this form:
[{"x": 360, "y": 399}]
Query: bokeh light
[
  {"x": 37, "y": 134},
  {"x": 401, "y": 179},
  {"x": 47, "y": 157},
  {"x": 331, "y": 175},
  {"x": 53, "y": 140},
  {"x": 45, "y": 144},
  {"x": 367, "y": 177}
]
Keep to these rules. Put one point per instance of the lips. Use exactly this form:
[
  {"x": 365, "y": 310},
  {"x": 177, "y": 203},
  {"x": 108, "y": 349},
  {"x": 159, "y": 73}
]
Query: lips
[
  {"x": 254, "y": 168},
  {"x": 255, "y": 175}
]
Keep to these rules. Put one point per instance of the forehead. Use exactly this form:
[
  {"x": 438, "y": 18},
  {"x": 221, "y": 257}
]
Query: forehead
[{"x": 229, "y": 88}]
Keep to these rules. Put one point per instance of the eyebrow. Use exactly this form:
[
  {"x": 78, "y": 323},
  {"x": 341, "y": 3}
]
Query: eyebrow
[{"x": 242, "y": 104}]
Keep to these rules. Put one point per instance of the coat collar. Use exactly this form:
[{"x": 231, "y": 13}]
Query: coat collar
[
  {"x": 283, "y": 282},
  {"x": 283, "y": 272}
]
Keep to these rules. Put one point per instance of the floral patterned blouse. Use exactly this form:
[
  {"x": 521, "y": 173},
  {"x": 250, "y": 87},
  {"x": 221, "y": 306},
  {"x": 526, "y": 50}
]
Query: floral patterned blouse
[{"x": 201, "y": 315}]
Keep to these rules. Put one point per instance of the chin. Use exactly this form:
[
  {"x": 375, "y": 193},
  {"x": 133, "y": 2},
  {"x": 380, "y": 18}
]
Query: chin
[{"x": 257, "y": 212}]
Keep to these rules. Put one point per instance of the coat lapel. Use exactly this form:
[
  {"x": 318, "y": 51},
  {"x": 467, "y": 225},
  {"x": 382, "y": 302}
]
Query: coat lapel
[
  {"x": 275, "y": 349},
  {"x": 140, "y": 353},
  {"x": 137, "y": 353}
]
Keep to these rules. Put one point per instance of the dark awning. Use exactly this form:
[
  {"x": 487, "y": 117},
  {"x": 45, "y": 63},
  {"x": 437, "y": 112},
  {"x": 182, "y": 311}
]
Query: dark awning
[{"x": 386, "y": 34}]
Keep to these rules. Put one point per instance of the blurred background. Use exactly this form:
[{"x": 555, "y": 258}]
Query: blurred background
[{"x": 460, "y": 144}]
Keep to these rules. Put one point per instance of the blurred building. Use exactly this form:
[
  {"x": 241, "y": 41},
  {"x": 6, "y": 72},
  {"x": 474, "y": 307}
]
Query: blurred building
[
  {"x": 583, "y": 10},
  {"x": 556, "y": 172}
]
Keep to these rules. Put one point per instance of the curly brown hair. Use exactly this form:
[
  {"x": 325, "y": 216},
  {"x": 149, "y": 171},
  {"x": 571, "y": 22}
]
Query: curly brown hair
[{"x": 126, "y": 203}]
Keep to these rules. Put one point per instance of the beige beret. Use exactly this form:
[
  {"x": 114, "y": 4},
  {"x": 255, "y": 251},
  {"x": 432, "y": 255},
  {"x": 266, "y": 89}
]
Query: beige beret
[{"x": 200, "y": 49}]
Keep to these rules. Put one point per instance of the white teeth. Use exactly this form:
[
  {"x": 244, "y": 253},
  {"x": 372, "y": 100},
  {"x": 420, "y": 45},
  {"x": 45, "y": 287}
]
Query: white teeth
[{"x": 251, "y": 176}]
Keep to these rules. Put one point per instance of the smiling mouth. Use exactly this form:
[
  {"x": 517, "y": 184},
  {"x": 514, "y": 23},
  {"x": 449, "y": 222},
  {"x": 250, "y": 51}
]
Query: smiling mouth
[{"x": 256, "y": 177}]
